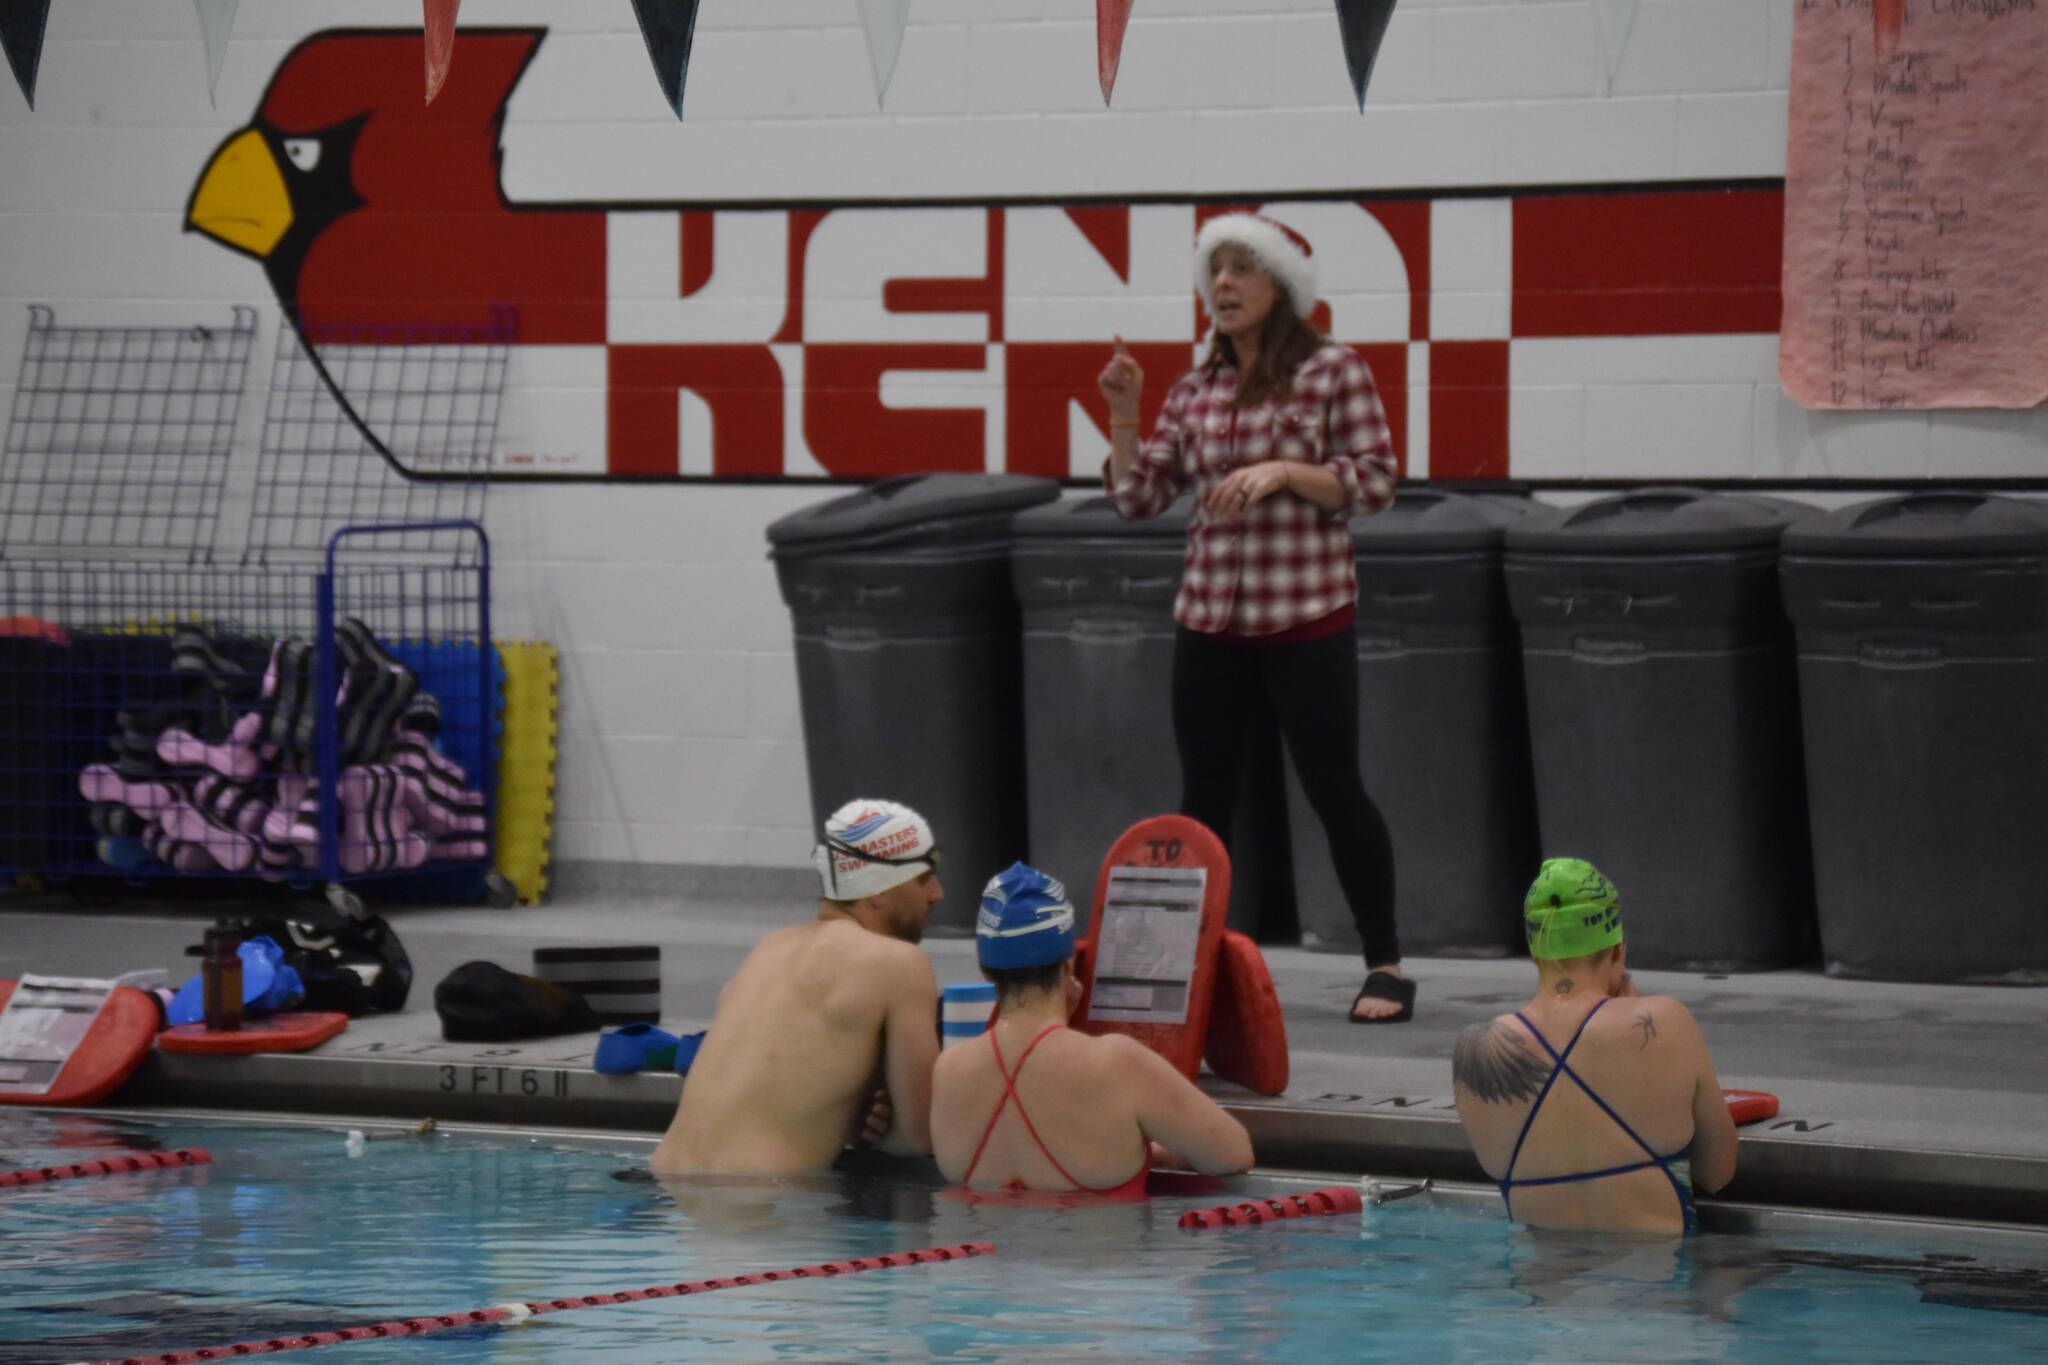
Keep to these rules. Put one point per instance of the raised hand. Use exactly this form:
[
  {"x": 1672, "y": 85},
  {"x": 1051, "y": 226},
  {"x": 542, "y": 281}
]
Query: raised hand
[{"x": 1121, "y": 381}]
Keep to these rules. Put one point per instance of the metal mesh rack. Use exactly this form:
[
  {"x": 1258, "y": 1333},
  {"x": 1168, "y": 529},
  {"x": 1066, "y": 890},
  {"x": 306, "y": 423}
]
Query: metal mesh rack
[
  {"x": 321, "y": 710},
  {"x": 120, "y": 437},
  {"x": 431, "y": 397}
]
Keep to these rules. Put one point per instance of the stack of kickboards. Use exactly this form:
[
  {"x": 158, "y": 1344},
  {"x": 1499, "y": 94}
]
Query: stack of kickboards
[{"x": 219, "y": 775}]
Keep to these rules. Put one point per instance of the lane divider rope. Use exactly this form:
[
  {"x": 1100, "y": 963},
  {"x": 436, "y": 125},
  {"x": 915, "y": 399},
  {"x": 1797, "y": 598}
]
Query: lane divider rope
[
  {"x": 519, "y": 1312},
  {"x": 145, "y": 1161},
  {"x": 1331, "y": 1199}
]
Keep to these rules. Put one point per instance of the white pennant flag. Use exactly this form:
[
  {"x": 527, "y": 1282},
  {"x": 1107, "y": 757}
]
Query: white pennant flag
[
  {"x": 885, "y": 21},
  {"x": 216, "y": 17},
  {"x": 1615, "y": 18}
]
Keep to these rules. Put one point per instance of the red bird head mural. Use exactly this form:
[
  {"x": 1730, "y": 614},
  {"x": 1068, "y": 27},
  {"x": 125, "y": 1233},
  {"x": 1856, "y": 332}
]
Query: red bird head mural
[{"x": 370, "y": 208}]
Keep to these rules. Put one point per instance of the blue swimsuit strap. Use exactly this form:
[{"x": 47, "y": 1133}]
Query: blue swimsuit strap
[{"x": 1561, "y": 1065}]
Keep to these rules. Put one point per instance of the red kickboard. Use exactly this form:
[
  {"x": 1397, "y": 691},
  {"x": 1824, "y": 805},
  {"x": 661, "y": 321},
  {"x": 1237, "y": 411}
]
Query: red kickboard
[
  {"x": 1750, "y": 1106},
  {"x": 1247, "y": 1038},
  {"x": 1177, "y": 857},
  {"x": 108, "y": 1055},
  {"x": 286, "y": 1031}
]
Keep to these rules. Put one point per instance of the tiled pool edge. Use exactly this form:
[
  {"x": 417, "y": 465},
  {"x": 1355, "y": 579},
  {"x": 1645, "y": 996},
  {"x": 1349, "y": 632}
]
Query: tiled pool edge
[{"x": 1804, "y": 1171}]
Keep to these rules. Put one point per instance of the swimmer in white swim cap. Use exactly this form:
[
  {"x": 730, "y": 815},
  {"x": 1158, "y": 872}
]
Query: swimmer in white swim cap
[{"x": 827, "y": 1033}]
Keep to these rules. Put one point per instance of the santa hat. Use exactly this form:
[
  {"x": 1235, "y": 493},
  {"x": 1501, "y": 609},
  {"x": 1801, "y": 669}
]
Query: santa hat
[{"x": 1280, "y": 251}]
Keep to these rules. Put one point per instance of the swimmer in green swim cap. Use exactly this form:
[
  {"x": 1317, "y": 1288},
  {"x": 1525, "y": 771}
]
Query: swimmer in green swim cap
[{"x": 1587, "y": 1104}]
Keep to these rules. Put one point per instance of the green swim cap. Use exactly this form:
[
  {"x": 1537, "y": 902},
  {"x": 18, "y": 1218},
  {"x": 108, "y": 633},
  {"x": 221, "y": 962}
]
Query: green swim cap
[{"x": 1571, "y": 910}]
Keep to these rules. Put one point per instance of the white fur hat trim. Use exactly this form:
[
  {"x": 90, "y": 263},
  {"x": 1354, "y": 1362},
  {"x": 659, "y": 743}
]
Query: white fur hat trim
[{"x": 1280, "y": 252}]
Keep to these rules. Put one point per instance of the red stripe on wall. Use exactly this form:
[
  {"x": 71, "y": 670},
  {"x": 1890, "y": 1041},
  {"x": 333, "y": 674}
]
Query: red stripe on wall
[
  {"x": 1682, "y": 262},
  {"x": 1407, "y": 223},
  {"x": 1468, "y": 409},
  {"x": 695, "y": 241},
  {"x": 855, "y": 435},
  {"x": 742, "y": 385}
]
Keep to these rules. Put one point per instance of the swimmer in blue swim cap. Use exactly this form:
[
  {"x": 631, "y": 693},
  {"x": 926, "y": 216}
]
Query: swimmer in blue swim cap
[
  {"x": 1592, "y": 1106},
  {"x": 820, "y": 1012},
  {"x": 1033, "y": 1104}
]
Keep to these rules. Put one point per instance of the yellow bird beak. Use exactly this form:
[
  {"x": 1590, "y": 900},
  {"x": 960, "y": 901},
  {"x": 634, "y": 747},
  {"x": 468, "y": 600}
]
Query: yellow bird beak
[{"x": 241, "y": 199}]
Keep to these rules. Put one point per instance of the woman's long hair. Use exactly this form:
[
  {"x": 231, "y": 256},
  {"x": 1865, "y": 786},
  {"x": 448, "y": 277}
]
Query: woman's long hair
[{"x": 1284, "y": 342}]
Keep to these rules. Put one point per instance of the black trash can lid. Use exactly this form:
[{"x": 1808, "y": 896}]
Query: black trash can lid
[
  {"x": 885, "y": 510},
  {"x": 1932, "y": 525},
  {"x": 1438, "y": 520},
  {"x": 1658, "y": 521},
  {"x": 1094, "y": 518}
]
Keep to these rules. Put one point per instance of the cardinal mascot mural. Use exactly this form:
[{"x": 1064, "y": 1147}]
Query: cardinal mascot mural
[{"x": 368, "y": 209}]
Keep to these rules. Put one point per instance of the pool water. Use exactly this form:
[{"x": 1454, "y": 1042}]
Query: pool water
[{"x": 287, "y": 1232}]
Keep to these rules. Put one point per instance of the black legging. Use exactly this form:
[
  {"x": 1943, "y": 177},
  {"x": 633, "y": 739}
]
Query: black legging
[{"x": 1313, "y": 687}]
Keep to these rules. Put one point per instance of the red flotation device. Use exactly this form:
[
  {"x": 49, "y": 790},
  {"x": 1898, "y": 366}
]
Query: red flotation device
[
  {"x": 1149, "y": 963},
  {"x": 1232, "y": 1013},
  {"x": 1331, "y": 1199},
  {"x": 286, "y": 1031},
  {"x": 108, "y": 1054},
  {"x": 1750, "y": 1106},
  {"x": 141, "y": 1161},
  {"x": 1247, "y": 1039}
]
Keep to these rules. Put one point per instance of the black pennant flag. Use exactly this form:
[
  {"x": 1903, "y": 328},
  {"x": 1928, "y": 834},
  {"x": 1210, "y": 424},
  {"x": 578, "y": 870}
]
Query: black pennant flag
[
  {"x": 667, "y": 26},
  {"x": 21, "y": 34},
  {"x": 1364, "y": 23}
]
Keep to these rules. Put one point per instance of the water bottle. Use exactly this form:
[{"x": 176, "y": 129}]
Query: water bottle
[{"x": 220, "y": 976}]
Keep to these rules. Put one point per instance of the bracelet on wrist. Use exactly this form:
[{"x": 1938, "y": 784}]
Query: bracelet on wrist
[{"x": 1119, "y": 423}]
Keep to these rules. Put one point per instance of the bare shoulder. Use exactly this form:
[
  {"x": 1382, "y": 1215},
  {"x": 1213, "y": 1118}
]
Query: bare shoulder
[
  {"x": 1647, "y": 1022},
  {"x": 1122, "y": 1055},
  {"x": 1497, "y": 1063},
  {"x": 902, "y": 964}
]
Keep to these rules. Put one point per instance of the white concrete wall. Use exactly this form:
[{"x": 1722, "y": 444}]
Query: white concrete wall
[{"x": 680, "y": 740}]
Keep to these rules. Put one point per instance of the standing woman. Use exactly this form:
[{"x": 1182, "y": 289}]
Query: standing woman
[{"x": 1282, "y": 436}]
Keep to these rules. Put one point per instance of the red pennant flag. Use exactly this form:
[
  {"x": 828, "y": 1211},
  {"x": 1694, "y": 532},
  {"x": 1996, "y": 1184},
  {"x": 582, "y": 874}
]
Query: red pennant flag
[
  {"x": 668, "y": 27},
  {"x": 1362, "y": 23},
  {"x": 21, "y": 35},
  {"x": 440, "y": 43},
  {"x": 1110, "y": 18}
]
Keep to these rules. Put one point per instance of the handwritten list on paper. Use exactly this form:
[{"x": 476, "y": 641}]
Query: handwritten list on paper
[{"x": 1916, "y": 205}]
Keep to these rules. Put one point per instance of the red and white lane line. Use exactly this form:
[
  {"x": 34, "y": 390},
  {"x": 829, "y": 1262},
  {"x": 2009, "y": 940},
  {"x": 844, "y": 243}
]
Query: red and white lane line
[{"x": 519, "y": 1312}]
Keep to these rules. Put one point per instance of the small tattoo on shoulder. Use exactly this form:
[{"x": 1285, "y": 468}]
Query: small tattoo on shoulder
[
  {"x": 1493, "y": 1062},
  {"x": 1647, "y": 1025}
]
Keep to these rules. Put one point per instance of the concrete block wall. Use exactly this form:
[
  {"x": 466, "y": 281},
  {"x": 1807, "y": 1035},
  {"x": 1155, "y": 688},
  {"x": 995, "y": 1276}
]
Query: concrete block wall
[{"x": 680, "y": 739}]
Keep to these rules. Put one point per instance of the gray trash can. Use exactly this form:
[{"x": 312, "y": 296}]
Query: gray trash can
[
  {"x": 907, "y": 661},
  {"x": 1097, "y": 596},
  {"x": 1443, "y": 737},
  {"x": 1923, "y": 673},
  {"x": 1663, "y": 718}
]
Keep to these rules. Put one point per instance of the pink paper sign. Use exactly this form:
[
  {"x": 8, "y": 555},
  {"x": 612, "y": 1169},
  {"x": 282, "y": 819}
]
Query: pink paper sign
[{"x": 1916, "y": 205}]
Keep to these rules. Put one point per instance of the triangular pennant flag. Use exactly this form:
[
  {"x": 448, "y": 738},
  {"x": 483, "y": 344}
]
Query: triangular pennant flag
[
  {"x": 1111, "y": 17},
  {"x": 1362, "y": 23},
  {"x": 440, "y": 42},
  {"x": 667, "y": 26},
  {"x": 216, "y": 18},
  {"x": 884, "y": 21},
  {"x": 1615, "y": 18},
  {"x": 21, "y": 34}
]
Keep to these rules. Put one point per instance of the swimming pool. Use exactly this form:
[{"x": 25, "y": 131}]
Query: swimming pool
[{"x": 286, "y": 1232}]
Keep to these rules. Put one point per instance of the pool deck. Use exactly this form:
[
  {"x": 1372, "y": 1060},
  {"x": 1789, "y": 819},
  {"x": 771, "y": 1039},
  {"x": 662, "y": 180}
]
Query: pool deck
[{"x": 1896, "y": 1099}]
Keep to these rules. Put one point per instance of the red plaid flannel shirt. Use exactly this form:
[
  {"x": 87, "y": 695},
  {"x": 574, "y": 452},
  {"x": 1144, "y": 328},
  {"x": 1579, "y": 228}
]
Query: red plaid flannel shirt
[{"x": 1287, "y": 561}]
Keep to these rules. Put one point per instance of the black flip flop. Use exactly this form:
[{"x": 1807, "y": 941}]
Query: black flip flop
[{"x": 1386, "y": 986}]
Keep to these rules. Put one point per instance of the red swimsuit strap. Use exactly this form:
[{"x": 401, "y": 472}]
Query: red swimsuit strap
[{"x": 1009, "y": 1076}]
